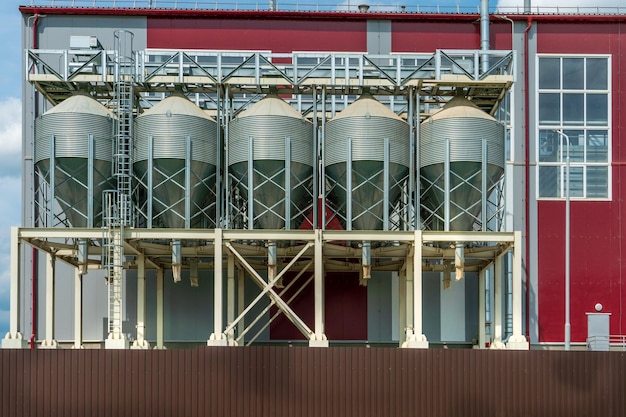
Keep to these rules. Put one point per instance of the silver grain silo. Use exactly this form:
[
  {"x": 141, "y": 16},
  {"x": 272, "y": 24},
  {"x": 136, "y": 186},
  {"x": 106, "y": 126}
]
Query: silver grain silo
[
  {"x": 270, "y": 163},
  {"x": 461, "y": 161},
  {"x": 175, "y": 161},
  {"x": 73, "y": 153},
  {"x": 367, "y": 160}
]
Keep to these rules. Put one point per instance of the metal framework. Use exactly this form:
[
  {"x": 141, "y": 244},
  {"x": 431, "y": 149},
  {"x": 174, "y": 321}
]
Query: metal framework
[{"x": 320, "y": 84}]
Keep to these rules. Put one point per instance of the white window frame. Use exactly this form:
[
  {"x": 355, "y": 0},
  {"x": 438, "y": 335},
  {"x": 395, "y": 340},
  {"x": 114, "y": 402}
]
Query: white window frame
[{"x": 585, "y": 127}]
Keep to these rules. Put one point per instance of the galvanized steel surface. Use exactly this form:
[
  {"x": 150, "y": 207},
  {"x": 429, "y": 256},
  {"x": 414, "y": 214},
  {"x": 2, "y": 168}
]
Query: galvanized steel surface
[
  {"x": 367, "y": 134},
  {"x": 169, "y": 132},
  {"x": 466, "y": 137},
  {"x": 297, "y": 381},
  {"x": 269, "y": 133},
  {"x": 71, "y": 132}
]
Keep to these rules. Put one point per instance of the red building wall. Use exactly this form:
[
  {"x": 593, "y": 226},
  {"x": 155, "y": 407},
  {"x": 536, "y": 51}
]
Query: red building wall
[
  {"x": 597, "y": 227},
  {"x": 257, "y": 34}
]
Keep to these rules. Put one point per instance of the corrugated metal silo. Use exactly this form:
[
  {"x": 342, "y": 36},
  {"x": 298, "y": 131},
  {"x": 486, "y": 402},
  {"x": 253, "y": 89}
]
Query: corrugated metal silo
[
  {"x": 461, "y": 161},
  {"x": 367, "y": 160},
  {"x": 73, "y": 154},
  {"x": 175, "y": 158},
  {"x": 270, "y": 161}
]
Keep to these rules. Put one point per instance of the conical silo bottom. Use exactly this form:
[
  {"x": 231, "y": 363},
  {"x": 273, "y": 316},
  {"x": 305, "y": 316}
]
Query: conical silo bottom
[
  {"x": 465, "y": 195},
  {"x": 270, "y": 194},
  {"x": 368, "y": 184},
  {"x": 169, "y": 191},
  {"x": 71, "y": 187}
]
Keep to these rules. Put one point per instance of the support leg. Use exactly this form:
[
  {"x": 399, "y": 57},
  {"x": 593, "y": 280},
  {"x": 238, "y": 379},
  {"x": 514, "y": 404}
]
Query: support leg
[
  {"x": 141, "y": 342},
  {"x": 241, "y": 301},
  {"x": 78, "y": 309},
  {"x": 498, "y": 277},
  {"x": 14, "y": 339},
  {"x": 517, "y": 340},
  {"x": 49, "y": 342},
  {"x": 416, "y": 339},
  {"x": 482, "y": 277},
  {"x": 230, "y": 298},
  {"x": 318, "y": 339},
  {"x": 159, "y": 310},
  {"x": 218, "y": 338}
]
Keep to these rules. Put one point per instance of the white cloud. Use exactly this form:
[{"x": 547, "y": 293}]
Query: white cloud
[
  {"x": 10, "y": 192},
  {"x": 10, "y": 137},
  {"x": 566, "y": 6}
]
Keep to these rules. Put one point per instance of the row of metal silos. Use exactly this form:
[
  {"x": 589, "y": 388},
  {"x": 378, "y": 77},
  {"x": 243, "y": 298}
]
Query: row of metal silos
[{"x": 270, "y": 161}]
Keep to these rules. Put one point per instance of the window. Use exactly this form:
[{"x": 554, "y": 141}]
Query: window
[{"x": 573, "y": 100}]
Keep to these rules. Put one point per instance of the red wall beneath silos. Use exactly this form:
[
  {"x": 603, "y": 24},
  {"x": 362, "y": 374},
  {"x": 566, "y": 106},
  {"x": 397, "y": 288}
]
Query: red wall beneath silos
[{"x": 597, "y": 227}]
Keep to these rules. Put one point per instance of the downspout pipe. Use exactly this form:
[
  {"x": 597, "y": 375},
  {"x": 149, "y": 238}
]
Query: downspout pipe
[
  {"x": 34, "y": 277},
  {"x": 527, "y": 170},
  {"x": 484, "y": 35}
]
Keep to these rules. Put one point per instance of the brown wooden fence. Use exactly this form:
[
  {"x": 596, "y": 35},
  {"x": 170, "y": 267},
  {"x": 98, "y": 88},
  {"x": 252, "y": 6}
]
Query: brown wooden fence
[{"x": 296, "y": 381}]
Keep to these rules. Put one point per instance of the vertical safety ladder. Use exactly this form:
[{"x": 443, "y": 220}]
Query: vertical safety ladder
[{"x": 118, "y": 203}]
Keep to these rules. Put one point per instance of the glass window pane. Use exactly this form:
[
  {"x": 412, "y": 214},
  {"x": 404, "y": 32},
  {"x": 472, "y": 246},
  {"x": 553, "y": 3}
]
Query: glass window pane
[
  {"x": 548, "y": 146},
  {"x": 549, "y": 109},
  {"x": 576, "y": 145},
  {"x": 548, "y": 181},
  {"x": 597, "y": 73},
  {"x": 573, "y": 109},
  {"x": 597, "y": 110},
  {"x": 576, "y": 181},
  {"x": 573, "y": 73},
  {"x": 597, "y": 182},
  {"x": 549, "y": 73},
  {"x": 597, "y": 146}
]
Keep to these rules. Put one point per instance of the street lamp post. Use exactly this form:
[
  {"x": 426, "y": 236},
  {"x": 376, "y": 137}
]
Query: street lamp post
[{"x": 567, "y": 329}]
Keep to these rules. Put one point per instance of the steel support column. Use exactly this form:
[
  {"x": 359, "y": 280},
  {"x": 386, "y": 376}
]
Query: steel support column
[
  {"x": 218, "y": 338},
  {"x": 49, "y": 342},
  {"x": 415, "y": 335},
  {"x": 14, "y": 338},
  {"x": 482, "y": 277},
  {"x": 517, "y": 340},
  {"x": 318, "y": 339},
  {"x": 159, "y": 309},
  {"x": 141, "y": 342},
  {"x": 230, "y": 296},
  {"x": 78, "y": 309},
  {"x": 497, "y": 303}
]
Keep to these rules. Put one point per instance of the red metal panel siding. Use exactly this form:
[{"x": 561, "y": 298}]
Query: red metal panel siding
[
  {"x": 281, "y": 381},
  {"x": 428, "y": 36},
  {"x": 345, "y": 309},
  {"x": 258, "y": 34},
  {"x": 597, "y": 228}
]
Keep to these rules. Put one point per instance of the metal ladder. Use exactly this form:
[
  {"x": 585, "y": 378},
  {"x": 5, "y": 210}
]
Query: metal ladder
[{"x": 118, "y": 203}]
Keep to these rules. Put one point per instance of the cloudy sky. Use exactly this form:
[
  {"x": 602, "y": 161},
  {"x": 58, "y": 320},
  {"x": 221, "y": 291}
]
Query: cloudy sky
[{"x": 10, "y": 96}]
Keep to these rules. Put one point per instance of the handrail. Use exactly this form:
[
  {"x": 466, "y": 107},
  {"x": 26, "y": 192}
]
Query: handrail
[{"x": 322, "y": 6}]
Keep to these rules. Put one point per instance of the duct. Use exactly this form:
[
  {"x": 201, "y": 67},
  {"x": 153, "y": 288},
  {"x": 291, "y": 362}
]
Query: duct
[
  {"x": 83, "y": 259},
  {"x": 447, "y": 279},
  {"x": 176, "y": 260},
  {"x": 484, "y": 35},
  {"x": 459, "y": 260},
  {"x": 193, "y": 272},
  {"x": 272, "y": 264},
  {"x": 366, "y": 263}
]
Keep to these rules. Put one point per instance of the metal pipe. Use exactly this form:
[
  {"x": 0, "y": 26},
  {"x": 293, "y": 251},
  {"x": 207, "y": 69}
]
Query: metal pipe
[
  {"x": 567, "y": 326},
  {"x": 484, "y": 35},
  {"x": 527, "y": 170}
]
